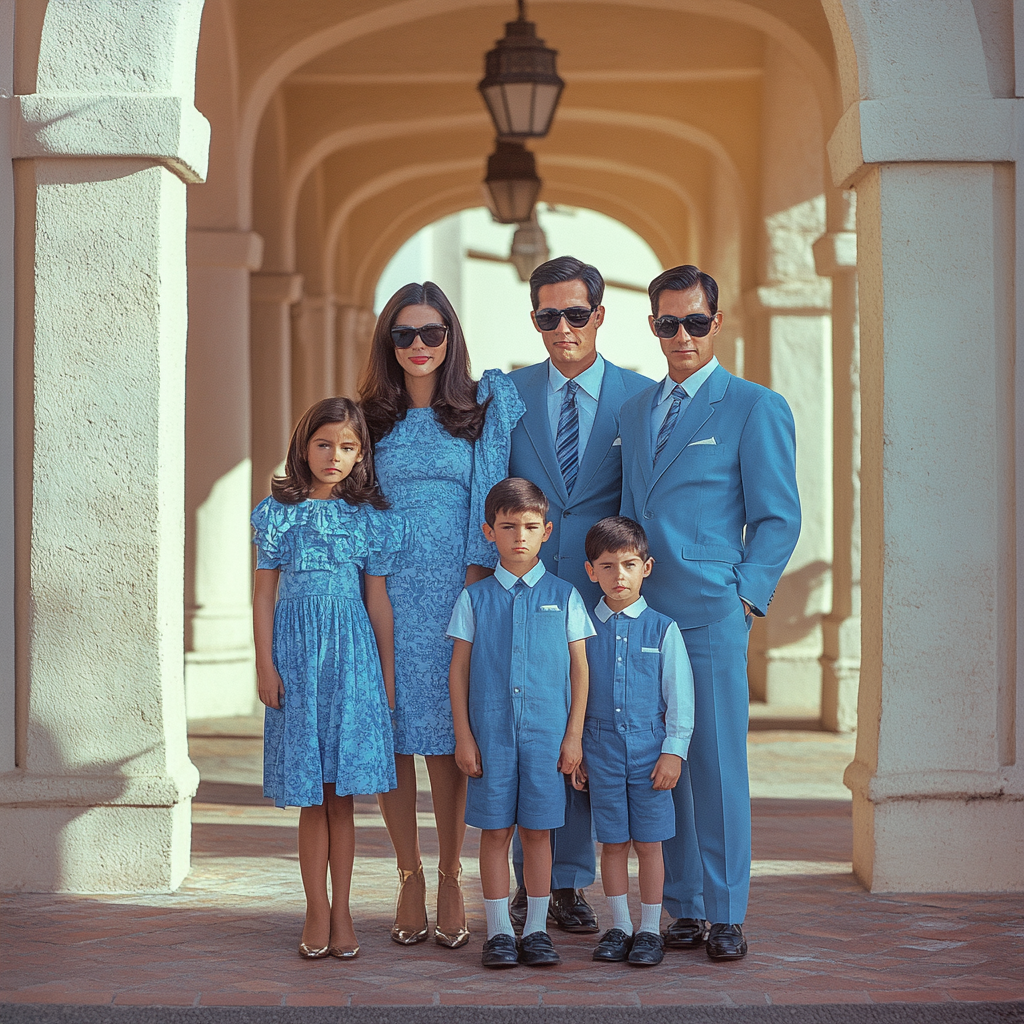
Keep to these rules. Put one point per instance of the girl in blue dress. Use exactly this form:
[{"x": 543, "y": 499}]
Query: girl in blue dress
[
  {"x": 442, "y": 441},
  {"x": 325, "y": 652}
]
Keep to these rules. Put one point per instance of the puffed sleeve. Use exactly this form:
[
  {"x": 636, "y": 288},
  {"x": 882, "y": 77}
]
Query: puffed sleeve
[
  {"x": 490, "y": 457},
  {"x": 389, "y": 535},
  {"x": 272, "y": 523}
]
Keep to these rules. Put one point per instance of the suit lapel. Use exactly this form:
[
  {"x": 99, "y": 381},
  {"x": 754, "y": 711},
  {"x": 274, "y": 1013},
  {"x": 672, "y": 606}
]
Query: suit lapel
[
  {"x": 538, "y": 427},
  {"x": 604, "y": 431},
  {"x": 700, "y": 409}
]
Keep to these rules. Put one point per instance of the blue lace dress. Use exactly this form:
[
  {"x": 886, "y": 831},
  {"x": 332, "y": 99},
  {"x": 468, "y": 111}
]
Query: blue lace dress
[
  {"x": 334, "y": 725},
  {"x": 439, "y": 484}
]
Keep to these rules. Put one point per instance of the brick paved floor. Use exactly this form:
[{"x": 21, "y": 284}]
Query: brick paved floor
[{"x": 227, "y": 937}]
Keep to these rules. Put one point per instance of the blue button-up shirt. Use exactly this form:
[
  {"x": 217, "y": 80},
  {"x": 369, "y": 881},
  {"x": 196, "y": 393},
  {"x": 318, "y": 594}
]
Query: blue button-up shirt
[
  {"x": 663, "y": 403},
  {"x": 586, "y": 399}
]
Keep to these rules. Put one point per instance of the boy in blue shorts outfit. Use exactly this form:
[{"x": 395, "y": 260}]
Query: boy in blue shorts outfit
[
  {"x": 636, "y": 735},
  {"x": 518, "y": 684}
]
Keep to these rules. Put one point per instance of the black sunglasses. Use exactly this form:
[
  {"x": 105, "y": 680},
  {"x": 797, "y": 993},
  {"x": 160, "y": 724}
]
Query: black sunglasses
[
  {"x": 697, "y": 325},
  {"x": 575, "y": 316},
  {"x": 432, "y": 335}
]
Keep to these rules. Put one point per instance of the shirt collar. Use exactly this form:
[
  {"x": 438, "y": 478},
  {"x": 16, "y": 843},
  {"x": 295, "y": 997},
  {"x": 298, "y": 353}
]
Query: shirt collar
[
  {"x": 590, "y": 379},
  {"x": 508, "y": 580},
  {"x": 634, "y": 611},
  {"x": 692, "y": 384}
]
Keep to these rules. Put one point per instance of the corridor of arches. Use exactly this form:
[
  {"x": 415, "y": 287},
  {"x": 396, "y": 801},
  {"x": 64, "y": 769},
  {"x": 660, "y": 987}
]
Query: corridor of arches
[{"x": 760, "y": 139}]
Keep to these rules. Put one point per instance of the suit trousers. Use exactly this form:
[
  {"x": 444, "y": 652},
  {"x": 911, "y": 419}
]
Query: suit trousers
[
  {"x": 707, "y": 863},
  {"x": 573, "y": 858}
]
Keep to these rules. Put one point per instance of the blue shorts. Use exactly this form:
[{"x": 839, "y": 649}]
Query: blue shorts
[
  {"x": 623, "y": 803},
  {"x": 521, "y": 785}
]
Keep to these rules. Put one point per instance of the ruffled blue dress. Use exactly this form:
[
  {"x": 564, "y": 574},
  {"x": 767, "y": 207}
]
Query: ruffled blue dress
[
  {"x": 439, "y": 484},
  {"x": 334, "y": 725}
]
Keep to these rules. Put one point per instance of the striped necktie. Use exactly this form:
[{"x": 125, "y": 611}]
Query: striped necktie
[
  {"x": 678, "y": 394},
  {"x": 567, "y": 440}
]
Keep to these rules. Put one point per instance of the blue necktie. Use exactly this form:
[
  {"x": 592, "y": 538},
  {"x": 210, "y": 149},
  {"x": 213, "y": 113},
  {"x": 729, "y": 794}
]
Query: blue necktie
[
  {"x": 567, "y": 440},
  {"x": 678, "y": 394}
]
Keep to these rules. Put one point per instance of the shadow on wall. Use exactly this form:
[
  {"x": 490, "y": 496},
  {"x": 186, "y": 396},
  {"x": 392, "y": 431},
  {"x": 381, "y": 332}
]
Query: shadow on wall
[{"x": 799, "y": 591}]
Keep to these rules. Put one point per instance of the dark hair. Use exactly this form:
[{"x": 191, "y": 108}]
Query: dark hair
[
  {"x": 615, "y": 534},
  {"x": 567, "y": 268},
  {"x": 359, "y": 487},
  {"x": 514, "y": 494},
  {"x": 680, "y": 279},
  {"x": 383, "y": 395}
]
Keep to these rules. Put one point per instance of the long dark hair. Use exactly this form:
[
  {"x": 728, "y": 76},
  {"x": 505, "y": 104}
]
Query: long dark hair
[
  {"x": 384, "y": 398},
  {"x": 359, "y": 487}
]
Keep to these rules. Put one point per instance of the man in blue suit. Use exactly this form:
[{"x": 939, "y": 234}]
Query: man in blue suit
[
  {"x": 568, "y": 444},
  {"x": 710, "y": 471}
]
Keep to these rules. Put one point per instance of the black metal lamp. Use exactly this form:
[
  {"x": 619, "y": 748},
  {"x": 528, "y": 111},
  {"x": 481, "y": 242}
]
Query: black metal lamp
[
  {"x": 521, "y": 86},
  {"x": 511, "y": 186},
  {"x": 529, "y": 247}
]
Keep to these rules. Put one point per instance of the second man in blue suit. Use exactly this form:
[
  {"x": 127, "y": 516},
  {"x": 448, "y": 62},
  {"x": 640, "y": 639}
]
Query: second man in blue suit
[{"x": 568, "y": 444}]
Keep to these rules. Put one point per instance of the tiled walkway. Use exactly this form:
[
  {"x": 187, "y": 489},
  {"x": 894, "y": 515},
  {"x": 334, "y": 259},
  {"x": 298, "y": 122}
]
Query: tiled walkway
[{"x": 227, "y": 937}]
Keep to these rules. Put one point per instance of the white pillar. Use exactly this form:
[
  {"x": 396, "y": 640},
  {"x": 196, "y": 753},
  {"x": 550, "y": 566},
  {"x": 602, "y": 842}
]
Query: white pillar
[
  {"x": 271, "y": 299},
  {"x": 354, "y": 332},
  {"x": 219, "y": 661},
  {"x": 835, "y": 255},
  {"x": 313, "y": 351}
]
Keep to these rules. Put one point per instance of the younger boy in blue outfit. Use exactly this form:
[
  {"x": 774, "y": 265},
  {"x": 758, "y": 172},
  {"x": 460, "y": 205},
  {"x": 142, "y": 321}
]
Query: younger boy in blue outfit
[
  {"x": 636, "y": 735},
  {"x": 518, "y": 684}
]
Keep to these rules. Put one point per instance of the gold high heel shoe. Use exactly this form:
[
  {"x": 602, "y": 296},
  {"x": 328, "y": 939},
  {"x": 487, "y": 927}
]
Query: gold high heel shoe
[
  {"x": 343, "y": 954},
  {"x": 461, "y": 937},
  {"x": 311, "y": 953},
  {"x": 400, "y": 935}
]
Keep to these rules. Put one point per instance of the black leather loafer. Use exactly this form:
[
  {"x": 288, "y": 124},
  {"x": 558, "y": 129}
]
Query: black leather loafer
[
  {"x": 517, "y": 907},
  {"x": 648, "y": 950},
  {"x": 537, "y": 950},
  {"x": 500, "y": 951},
  {"x": 684, "y": 933},
  {"x": 726, "y": 942},
  {"x": 614, "y": 946},
  {"x": 570, "y": 911}
]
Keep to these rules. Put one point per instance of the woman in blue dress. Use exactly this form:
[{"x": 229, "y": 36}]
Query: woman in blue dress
[{"x": 442, "y": 441}]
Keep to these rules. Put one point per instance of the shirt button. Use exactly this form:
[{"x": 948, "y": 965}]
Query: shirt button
[
  {"x": 618, "y": 709},
  {"x": 618, "y": 659},
  {"x": 648, "y": 515},
  {"x": 516, "y": 690},
  {"x": 618, "y": 638}
]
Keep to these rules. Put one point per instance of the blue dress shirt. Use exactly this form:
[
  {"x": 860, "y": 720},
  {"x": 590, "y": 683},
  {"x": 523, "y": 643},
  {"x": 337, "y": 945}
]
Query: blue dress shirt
[
  {"x": 663, "y": 402},
  {"x": 589, "y": 382}
]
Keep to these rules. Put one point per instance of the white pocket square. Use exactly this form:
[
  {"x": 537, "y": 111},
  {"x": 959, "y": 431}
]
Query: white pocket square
[
  {"x": 707, "y": 440},
  {"x": 617, "y": 441}
]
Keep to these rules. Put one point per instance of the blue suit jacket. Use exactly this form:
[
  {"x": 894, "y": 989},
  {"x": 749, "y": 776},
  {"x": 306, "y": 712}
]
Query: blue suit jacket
[
  {"x": 722, "y": 518},
  {"x": 598, "y": 488}
]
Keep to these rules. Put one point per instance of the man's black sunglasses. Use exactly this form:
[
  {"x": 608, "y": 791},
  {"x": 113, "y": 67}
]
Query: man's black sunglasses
[
  {"x": 696, "y": 325},
  {"x": 433, "y": 335},
  {"x": 575, "y": 316}
]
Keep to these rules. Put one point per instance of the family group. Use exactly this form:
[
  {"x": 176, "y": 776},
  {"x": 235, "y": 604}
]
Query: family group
[{"x": 453, "y": 568}]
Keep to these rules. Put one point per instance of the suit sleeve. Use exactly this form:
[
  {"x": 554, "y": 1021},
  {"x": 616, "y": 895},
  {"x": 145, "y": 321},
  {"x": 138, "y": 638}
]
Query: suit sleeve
[{"x": 767, "y": 453}]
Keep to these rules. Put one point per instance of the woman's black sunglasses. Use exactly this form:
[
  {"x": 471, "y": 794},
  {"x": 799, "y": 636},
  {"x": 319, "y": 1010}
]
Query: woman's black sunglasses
[
  {"x": 433, "y": 335},
  {"x": 575, "y": 316},
  {"x": 697, "y": 325}
]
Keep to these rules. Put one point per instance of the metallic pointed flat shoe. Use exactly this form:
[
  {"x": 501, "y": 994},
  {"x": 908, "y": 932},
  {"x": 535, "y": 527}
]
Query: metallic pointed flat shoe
[
  {"x": 310, "y": 953},
  {"x": 344, "y": 954},
  {"x": 460, "y": 937},
  {"x": 403, "y": 936}
]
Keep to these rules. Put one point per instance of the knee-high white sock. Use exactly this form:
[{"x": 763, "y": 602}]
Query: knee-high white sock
[
  {"x": 650, "y": 917},
  {"x": 498, "y": 921},
  {"x": 536, "y": 914},
  {"x": 619, "y": 906}
]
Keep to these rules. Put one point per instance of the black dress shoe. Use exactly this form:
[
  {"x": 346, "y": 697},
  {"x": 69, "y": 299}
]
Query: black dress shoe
[
  {"x": 648, "y": 950},
  {"x": 684, "y": 933},
  {"x": 726, "y": 942},
  {"x": 517, "y": 907},
  {"x": 614, "y": 946},
  {"x": 536, "y": 950},
  {"x": 569, "y": 909},
  {"x": 500, "y": 951}
]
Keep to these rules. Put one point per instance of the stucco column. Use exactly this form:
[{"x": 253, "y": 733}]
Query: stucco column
[
  {"x": 354, "y": 332},
  {"x": 271, "y": 298},
  {"x": 219, "y": 661},
  {"x": 313, "y": 351},
  {"x": 100, "y": 798},
  {"x": 835, "y": 255},
  {"x": 789, "y": 349}
]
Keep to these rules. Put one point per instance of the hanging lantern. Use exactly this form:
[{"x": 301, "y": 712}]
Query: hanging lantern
[
  {"x": 521, "y": 84},
  {"x": 529, "y": 248},
  {"x": 511, "y": 186}
]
